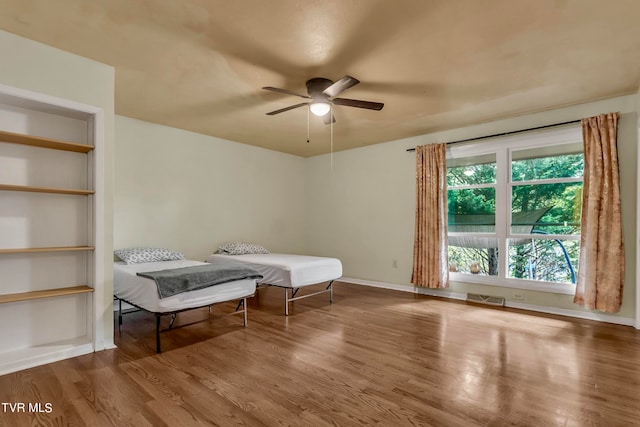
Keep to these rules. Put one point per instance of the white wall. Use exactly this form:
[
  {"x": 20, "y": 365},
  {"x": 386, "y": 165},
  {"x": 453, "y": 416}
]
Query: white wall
[
  {"x": 362, "y": 210},
  {"x": 40, "y": 68},
  {"x": 192, "y": 192}
]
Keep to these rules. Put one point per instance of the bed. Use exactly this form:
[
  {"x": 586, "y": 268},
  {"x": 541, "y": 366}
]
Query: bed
[
  {"x": 143, "y": 293},
  {"x": 290, "y": 272}
]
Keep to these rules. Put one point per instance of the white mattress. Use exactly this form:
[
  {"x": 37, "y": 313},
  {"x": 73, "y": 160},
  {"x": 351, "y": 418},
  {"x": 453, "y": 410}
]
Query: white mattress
[
  {"x": 290, "y": 271},
  {"x": 143, "y": 292}
]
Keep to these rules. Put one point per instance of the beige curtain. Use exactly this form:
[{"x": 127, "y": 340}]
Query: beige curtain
[
  {"x": 601, "y": 268},
  {"x": 430, "y": 259}
]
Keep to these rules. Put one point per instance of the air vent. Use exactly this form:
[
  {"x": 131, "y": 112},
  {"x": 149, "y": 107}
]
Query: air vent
[{"x": 485, "y": 299}]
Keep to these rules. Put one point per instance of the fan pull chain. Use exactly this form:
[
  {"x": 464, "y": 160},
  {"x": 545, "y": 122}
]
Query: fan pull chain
[
  {"x": 308, "y": 120},
  {"x": 331, "y": 121}
]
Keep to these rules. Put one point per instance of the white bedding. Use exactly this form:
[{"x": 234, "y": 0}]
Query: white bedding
[
  {"x": 290, "y": 271},
  {"x": 143, "y": 292}
]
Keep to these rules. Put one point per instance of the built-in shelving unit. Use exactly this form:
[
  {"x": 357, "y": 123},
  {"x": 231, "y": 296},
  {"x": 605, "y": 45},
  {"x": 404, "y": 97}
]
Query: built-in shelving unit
[{"x": 47, "y": 231}]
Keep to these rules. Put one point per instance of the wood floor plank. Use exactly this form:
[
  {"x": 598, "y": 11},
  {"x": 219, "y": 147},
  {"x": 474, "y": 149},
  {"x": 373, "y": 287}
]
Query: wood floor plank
[{"x": 373, "y": 357}]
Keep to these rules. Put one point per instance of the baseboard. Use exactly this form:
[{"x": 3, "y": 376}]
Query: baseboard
[
  {"x": 25, "y": 358},
  {"x": 588, "y": 315},
  {"x": 108, "y": 345},
  {"x": 404, "y": 288}
]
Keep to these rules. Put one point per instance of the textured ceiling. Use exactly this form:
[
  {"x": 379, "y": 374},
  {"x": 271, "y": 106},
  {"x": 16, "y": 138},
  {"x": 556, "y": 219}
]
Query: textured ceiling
[{"x": 200, "y": 64}]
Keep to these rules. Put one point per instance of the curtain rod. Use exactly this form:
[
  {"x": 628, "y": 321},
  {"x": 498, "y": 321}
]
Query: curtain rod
[{"x": 507, "y": 133}]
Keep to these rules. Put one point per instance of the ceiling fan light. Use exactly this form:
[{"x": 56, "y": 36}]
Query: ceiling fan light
[{"x": 320, "y": 108}]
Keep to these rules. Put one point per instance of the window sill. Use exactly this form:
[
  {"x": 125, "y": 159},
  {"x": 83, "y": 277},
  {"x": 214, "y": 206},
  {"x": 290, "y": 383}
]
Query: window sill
[{"x": 531, "y": 285}]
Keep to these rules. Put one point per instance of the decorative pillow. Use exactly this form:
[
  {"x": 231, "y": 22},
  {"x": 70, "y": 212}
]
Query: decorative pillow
[
  {"x": 140, "y": 255},
  {"x": 241, "y": 248}
]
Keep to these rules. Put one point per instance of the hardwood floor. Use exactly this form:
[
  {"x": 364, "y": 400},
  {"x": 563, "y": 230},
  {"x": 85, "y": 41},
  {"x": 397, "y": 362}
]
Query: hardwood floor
[{"x": 373, "y": 357}]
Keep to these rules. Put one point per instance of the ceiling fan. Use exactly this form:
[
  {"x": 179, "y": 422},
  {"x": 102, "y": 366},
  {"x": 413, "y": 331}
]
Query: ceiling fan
[{"x": 322, "y": 93}]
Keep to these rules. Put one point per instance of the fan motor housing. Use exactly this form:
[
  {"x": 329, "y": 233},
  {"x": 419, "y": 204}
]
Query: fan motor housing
[{"x": 316, "y": 85}]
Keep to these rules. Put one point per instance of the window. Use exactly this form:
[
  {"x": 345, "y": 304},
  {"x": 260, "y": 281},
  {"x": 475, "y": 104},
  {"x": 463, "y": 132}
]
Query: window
[{"x": 514, "y": 210}]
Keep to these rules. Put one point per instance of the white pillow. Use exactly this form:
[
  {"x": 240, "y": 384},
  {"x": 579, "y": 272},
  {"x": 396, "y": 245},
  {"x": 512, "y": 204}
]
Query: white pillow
[
  {"x": 140, "y": 255},
  {"x": 241, "y": 248}
]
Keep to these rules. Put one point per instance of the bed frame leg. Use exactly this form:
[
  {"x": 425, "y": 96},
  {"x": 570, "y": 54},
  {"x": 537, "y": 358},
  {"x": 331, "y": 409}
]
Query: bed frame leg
[
  {"x": 244, "y": 314},
  {"x": 120, "y": 316},
  {"x": 330, "y": 287},
  {"x": 157, "y": 333},
  {"x": 286, "y": 302}
]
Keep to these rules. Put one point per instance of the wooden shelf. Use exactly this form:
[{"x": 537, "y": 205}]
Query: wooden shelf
[
  {"x": 32, "y": 189},
  {"x": 48, "y": 293},
  {"x": 38, "y": 141},
  {"x": 49, "y": 249}
]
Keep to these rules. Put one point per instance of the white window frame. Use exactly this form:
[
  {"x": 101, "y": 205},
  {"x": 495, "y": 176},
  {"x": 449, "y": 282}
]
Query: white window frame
[{"x": 503, "y": 147}]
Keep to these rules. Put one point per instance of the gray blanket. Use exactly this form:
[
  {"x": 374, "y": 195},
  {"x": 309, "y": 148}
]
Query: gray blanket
[{"x": 177, "y": 280}]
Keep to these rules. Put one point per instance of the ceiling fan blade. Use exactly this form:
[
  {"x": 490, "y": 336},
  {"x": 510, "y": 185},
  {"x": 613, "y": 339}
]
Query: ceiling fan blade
[
  {"x": 282, "y": 110},
  {"x": 340, "y": 86},
  {"x": 358, "y": 103},
  {"x": 285, "y": 91},
  {"x": 327, "y": 118}
]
